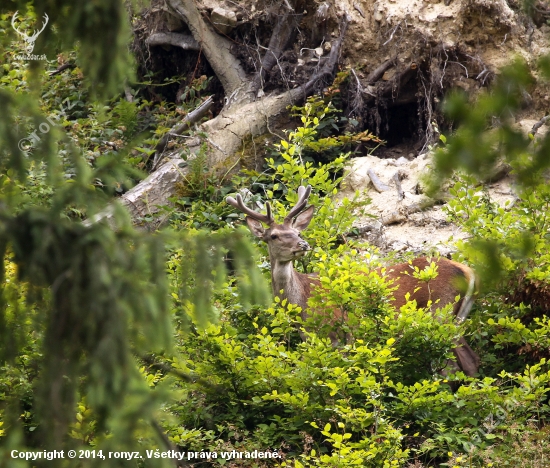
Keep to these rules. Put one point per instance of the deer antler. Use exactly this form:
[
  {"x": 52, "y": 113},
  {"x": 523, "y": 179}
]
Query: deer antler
[
  {"x": 303, "y": 195},
  {"x": 239, "y": 204}
]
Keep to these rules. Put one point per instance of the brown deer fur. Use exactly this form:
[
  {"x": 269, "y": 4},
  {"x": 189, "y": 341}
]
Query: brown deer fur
[
  {"x": 453, "y": 279},
  {"x": 285, "y": 245}
]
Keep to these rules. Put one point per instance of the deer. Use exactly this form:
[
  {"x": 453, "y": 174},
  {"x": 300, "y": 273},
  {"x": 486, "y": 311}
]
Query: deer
[
  {"x": 285, "y": 244},
  {"x": 30, "y": 40}
]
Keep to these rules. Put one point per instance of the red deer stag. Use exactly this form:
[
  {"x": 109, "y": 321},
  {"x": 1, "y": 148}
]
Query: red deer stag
[{"x": 285, "y": 245}]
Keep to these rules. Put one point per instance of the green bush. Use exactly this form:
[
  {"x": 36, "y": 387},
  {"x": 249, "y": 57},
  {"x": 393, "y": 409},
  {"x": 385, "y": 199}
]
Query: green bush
[{"x": 379, "y": 399}]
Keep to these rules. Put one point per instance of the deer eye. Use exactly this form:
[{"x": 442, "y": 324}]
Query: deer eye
[{"x": 274, "y": 236}]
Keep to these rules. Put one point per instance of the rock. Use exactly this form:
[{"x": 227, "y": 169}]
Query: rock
[
  {"x": 401, "y": 161},
  {"x": 412, "y": 223},
  {"x": 223, "y": 20},
  {"x": 210, "y": 4}
]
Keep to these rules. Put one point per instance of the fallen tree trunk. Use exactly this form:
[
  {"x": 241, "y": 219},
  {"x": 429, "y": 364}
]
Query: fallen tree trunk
[{"x": 242, "y": 117}]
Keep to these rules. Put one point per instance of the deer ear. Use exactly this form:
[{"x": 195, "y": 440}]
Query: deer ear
[
  {"x": 302, "y": 221},
  {"x": 255, "y": 227}
]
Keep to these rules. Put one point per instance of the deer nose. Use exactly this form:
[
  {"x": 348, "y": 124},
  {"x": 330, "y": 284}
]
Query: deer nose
[{"x": 304, "y": 245}]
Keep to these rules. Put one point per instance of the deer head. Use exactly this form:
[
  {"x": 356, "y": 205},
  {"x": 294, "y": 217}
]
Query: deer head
[
  {"x": 30, "y": 40},
  {"x": 283, "y": 240},
  {"x": 284, "y": 244}
]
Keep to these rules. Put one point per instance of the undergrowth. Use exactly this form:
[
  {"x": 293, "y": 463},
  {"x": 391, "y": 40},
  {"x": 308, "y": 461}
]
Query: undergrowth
[{"x": 379, "y": 399}]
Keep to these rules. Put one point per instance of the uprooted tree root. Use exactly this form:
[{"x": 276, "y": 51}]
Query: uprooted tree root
[{"x": 406, "y": 96}]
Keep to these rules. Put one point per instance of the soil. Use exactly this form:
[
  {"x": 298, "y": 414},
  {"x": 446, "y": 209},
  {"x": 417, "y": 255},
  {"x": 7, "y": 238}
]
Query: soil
[
  {"x": 428, "y": 48},
  {"x": 413, "y": 223}
]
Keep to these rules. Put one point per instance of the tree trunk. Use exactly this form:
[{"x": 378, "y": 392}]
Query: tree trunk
[
  {"x": 244, "y": 115},
  {"x": 402, "y": 62}
]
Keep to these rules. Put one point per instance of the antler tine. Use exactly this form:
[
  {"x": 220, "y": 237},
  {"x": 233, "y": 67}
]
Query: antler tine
[
  {"x": 239, "y": 204},
  {"x": 303, "y": 195}
]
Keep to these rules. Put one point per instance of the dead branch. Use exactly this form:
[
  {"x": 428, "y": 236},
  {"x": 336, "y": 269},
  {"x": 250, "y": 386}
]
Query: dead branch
[
  {"x": 392, "y": 33},
  {"x": 188, "y": 378},
  {"x": 191, "y": 118},
  {"x": 402, "y": 214},
  {"x": 328, "y": 68},
  {"x": 388, "y": 89},
  {"x": 226, "y": 133},
  {"x": 357, "y": 231},
  {"x": 216, "y": 48},
  {"x": 378, "y": 184},
  {"x": 397, "y": 180},
  {"x": 359, "y": 9},
  {"x": 357, "y": 103},
  {"x": 282, "y": 32},
  {"x": 393, "y": 218},
  {"x": 185, "y": 41},
  {"x": 539, "y": 124},
  {"x": 400, "y": 80},
  {"x": 379, "y": 71},
  {"x": 62, "y": 68}
]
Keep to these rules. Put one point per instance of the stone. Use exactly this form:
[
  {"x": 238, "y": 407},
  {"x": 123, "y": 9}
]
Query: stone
[{"x": 223, "y": 20}]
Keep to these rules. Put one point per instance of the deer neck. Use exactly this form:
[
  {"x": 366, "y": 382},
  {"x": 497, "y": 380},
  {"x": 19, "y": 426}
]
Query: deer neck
[{"x": 285, "y": 277}]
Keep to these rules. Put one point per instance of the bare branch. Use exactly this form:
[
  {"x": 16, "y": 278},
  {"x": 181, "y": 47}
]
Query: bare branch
[
  {"x": 377, "y": 73},
  {"x": 359, "y": 9},
  {"x": 397, "y": 180},
  {"x": 216, "y": 48},
  {"x": 539, "y": 124},
  {"x": 191, "y": 118},
  {"x": 378, "y": 184},
  {"x": 282, "y": 33},
  {"x": 63, "y": 67},
  {"x": 226, "y": 131},
  {"x": 185, "y": 41},
  {"x": 328, "y": 68},
  {"x": 189, "y": 378}
]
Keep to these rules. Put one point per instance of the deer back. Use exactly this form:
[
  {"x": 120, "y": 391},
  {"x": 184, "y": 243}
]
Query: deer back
[{"x": 453, "y": 279}]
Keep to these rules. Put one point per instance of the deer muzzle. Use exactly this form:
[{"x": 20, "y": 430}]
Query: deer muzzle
[{"x": 303, "y": 246}]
